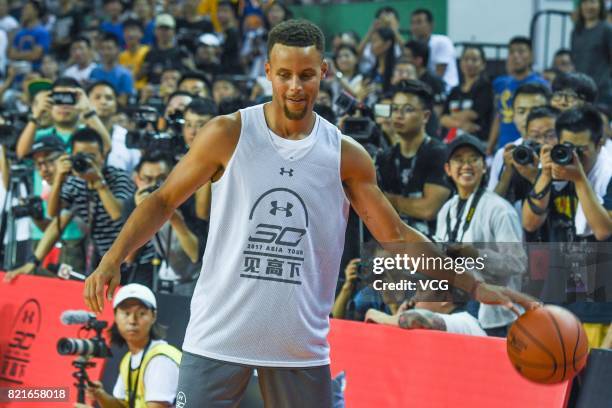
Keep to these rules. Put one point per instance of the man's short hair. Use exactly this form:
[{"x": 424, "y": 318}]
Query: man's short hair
[
  {"x": 542, "y": 112},
  {"x": 562, "y": 51},
  {"x": 82, "y": 38},
  {"x": 86, "y": 135},
  {"x": 427, "y": 13},
  {"x": 110, "y": 37},
  {"x": 179, "y": 93},
  {"x": 296, "y": 33},
  {"x": 580, "y": 119},
  {"x": 67, "y": 82},
  {"x": 387, "y": 9},
  {"x": 418, "y": 89},
  {"x": 155, "y": 156},
  {"x": 418, "y": 49},
  {"x": 194, "y": 75},
  {"x": 532, "y": 88},
  {"x": 132, "y": 23},
  {"x": 202, "y": 107},
  {"x": 101, "y": 82},
  {"x": 520, "y": 39},
  {"x": 582, "y": 84}
]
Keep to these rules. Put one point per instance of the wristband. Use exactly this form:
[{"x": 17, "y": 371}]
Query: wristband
[
  {"x": 33, "y": 259},
  {"x": 89, "y": 114},
  {"x": 541, "y": 194},
  {"x": 536, "y": 210},
  {"x": 32, "y": 119}
]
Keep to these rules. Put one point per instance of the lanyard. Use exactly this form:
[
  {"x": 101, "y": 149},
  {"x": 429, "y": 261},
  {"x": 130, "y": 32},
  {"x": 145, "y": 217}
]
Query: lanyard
[
  {"x": 132, "y": 390},
  {"x": 452, "y": 235},
  {"x": 398, "y": 167}
]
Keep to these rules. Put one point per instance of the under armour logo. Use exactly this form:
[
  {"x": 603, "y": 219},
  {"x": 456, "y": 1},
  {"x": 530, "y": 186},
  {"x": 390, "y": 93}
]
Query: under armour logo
[
  {"x": 286, "y": 209},
  {"x": 283, "y": 171}
]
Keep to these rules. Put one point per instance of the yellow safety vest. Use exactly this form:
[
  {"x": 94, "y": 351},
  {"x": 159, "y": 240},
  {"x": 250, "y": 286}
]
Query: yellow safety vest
[{"x": 159, "y": 349}]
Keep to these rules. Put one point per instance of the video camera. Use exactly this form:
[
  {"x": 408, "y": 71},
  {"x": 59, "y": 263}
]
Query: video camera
[
  {"x": 146, "y": 136},
  {"x": 523, "y": 154},
  {"x": 91, "y": 347},
  {"x": 9, "y": 131},
  {"x": 361, "y": 128},
  {"x": 29, "y": 207}
]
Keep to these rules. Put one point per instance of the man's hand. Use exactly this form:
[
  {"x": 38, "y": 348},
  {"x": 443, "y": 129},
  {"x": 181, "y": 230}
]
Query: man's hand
[
  {"x": 508, "y": 161},
  {"x": 528, "y": 171},
  {"x": 572, "y": 172},
  {"x": 24, "y": 269},
  {"x": 376, "y": 316},
  {"x": 92, "y": 176},
  {"x": 83, "y": 103},
  {"x": 546, "y": 161},
  {"x": 42, "y": 103},
  {"x": 499, "y": 295},
  {"x": 94, "y": 390},
  {"x": 107, "y": 273},
  {"x": 63, "y": 167},
  {"x": 350, "y": 272}
]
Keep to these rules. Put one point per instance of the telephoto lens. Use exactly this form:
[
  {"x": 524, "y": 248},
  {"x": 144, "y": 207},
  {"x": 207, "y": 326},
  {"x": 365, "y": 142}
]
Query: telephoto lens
[{"x": 82, "y": 347}]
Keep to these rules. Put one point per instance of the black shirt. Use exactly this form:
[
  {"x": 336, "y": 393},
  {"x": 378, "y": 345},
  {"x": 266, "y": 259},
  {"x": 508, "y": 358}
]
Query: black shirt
[
  {"x": 479, "y": 99},
  {"x": 230, "y": 56},
  {"x": 407, "y": 176}
]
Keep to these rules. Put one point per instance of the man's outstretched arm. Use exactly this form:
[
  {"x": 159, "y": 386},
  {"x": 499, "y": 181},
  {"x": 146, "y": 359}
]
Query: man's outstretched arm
[
  {"x": 359, "y": 178},
  {"x": 210, "y": 152}
]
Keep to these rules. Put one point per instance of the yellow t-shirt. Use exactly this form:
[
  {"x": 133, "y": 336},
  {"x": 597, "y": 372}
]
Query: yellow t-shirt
[{"x": 133, "y": 62}]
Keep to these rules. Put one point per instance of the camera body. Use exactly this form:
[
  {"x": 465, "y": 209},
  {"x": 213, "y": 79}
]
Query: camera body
[
  {"x": 563, "y": 154},
  {"x": 81, "y": 162},
  {"x": 29, "y": 207},
  {"x": 523, "y": 154}
]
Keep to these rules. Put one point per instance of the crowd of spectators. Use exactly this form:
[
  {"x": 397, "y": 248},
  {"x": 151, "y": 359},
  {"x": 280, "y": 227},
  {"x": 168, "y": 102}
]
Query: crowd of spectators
[{"x": 98, "y": 104}]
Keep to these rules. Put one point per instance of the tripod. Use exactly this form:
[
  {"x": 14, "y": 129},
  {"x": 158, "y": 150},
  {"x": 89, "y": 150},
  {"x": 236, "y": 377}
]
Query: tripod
[
  {"x": 19, "y": 187},
  {"x": 82, "y": 364}
]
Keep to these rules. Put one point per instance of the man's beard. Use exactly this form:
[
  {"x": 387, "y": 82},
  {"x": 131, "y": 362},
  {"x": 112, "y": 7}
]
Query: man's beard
[{"x": 295, "y": 115}]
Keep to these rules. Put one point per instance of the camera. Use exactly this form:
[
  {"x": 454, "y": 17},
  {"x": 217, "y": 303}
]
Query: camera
[
  {"x": 563, "y": 154},
  {"x": 146, "y": 135},
  {"x": 9, "y": 133},
  {"x": 523, "y": 154},
  {"x": 29, "y": 207},
  {"x": 64, "y": 98},
  {"x": 151, "y": 188},
  {"x": 81, "y": 162},
  {"x": 92, "y": 347}
]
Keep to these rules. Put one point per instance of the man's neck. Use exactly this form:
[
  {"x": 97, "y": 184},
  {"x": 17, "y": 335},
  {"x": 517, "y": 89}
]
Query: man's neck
[
  {"x": 520, "y": 75},
  {"x": 410, "y": 145},
  {"x": 287, "y": 129},
  {"x": 31, "y": 24},
  {"x": 65, "y": 128}
]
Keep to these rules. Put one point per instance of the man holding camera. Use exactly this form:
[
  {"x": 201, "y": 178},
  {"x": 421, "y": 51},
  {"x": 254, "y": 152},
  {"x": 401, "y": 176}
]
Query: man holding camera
[
  {"x": 70, "y": 109},
  {"x": 180, "y": 241}
]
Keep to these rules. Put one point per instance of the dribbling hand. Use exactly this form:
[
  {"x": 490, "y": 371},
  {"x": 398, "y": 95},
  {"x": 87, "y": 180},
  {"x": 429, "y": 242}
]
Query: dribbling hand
[{"x": 107, "y": 274}]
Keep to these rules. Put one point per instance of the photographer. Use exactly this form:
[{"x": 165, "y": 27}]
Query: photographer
[
  {"x": 411, "y": 173},
  {"x": 521, "y": 161},
  {"x": 70, "y": 109},
  {"x": 180, "y": 241},
  {"x": 526, "y": 97},
  {"x": 148, "y": 372},
  {"x": 195, "y": 83},
  {"x": 96, "y": 194},
  {"x": 104, "y": 100},
  {"x": 584, "y": 169},
  {"x": 475, "y": 215}
]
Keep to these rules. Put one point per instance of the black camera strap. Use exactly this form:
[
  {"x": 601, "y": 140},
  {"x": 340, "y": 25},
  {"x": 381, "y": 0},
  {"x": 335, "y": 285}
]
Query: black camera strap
[
  {"x": 132, "y": 389},
  {"x": 452, "y": 235}
]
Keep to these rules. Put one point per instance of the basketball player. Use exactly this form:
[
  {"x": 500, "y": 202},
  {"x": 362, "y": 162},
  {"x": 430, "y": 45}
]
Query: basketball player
[{"x": 283, "y": 179}]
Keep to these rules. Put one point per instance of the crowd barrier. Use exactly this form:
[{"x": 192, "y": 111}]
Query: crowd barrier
[{"x": 384, "y": 366}]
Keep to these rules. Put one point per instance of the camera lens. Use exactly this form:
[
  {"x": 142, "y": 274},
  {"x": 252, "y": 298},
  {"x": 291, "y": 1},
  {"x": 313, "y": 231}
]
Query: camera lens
[
  {"x": 81, "y": 347},
  {"x": 562, "y": 154},
  {"x": 522, "y": 155},
  {"x": 80, "y": 163}
]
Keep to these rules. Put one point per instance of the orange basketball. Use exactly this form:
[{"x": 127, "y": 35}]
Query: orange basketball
[{"x": 547, "y": 345}]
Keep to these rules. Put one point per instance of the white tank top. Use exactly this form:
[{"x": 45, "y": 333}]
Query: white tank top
[{"x": 272, "y": 257}]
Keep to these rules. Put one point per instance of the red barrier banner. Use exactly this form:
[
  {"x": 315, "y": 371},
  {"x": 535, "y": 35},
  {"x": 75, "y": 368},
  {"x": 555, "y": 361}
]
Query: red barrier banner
[
  {"x": 392, "y": 367},
  {"x": 30, "y": 310}
]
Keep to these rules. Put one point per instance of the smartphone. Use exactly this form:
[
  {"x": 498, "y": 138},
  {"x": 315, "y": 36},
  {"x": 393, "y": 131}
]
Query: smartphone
[
  {"x": 382, "y": 110},
  {"x": 64, "y": 98}
]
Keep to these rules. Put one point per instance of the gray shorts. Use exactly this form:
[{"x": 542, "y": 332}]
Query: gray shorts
[{"x": 204, "y": 382}]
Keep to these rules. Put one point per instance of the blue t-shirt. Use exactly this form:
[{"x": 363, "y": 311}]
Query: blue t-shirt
[
  {"x": 119, "y": 77},
  {"x": 504, "y": 88},
  {"x": 149, "y": 34},
  {"x": 27, "y": 39}
]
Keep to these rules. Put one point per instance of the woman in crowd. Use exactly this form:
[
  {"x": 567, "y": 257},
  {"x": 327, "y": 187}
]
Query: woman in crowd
[
  {"x": 383, "y": 49},
  {"x": 348, "y": 78},
  {"x": 475, "y": 215},
  {"x": 469, "y": 106}
]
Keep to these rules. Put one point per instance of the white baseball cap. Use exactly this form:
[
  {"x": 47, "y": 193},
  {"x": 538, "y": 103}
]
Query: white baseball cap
[{"x": 135, "y": 291}]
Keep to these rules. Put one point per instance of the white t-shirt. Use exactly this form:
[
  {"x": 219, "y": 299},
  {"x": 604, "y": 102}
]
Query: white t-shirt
[
  {"x": 120, "y": 155},
  {"x": 8, "y": 23},
  {"x": 81, "y": 75},
  {"x": 160, "y": 378},
  {"x": 442, "y": 51},
  {"x": 462, "y": 323}
]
